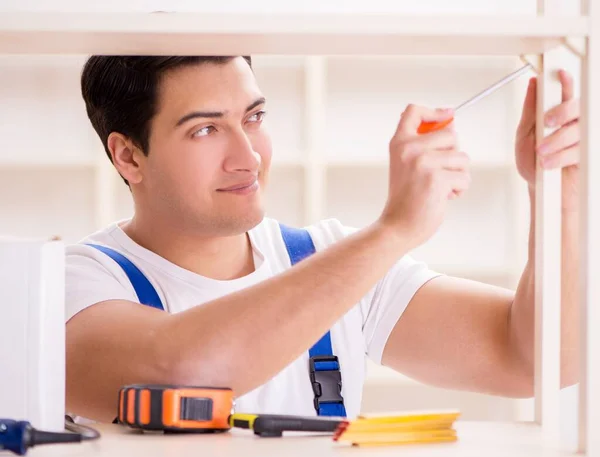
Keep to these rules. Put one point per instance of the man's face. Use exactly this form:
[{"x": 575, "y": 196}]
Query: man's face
[{"x": 209, "y": 151}]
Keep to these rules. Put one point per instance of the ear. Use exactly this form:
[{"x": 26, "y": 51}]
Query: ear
[{"x": 126, "y": 157}]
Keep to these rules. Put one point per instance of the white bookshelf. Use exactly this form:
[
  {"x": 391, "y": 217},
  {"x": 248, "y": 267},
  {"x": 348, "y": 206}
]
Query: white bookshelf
[
  {"x": 304, "y": 34},
  {"x": 339, "y": 111}
]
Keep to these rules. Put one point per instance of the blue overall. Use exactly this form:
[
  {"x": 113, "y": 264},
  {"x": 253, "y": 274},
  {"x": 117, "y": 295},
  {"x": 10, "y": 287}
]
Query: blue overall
[{"x": 324, "y": 368}]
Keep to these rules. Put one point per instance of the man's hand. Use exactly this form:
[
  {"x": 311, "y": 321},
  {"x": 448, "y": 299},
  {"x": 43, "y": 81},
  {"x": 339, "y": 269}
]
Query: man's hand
[
  {"x": 425, "y": 172},
  {"x": 488, "y": 332},
  {"x": 559, "y": 149}
]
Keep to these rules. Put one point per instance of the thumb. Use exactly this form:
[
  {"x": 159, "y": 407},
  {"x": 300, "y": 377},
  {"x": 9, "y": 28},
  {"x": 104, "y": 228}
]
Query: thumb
[{"x": 529, "y": 111}]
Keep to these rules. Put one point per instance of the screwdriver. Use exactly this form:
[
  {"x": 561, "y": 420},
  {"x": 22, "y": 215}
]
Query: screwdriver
[
  {"x": 19, "y": 436},
  {"x": 426, "y": 127},
  {"x": 269, "y": 425}
]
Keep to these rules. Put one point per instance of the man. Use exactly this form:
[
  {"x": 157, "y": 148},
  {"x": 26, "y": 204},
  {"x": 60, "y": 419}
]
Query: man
[{"x": 187, "y": 136}]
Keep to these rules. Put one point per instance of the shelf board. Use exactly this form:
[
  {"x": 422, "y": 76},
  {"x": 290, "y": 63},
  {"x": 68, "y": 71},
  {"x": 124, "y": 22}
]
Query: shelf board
[
  {"x": 263, "y": 33},
  {"x": 492, "y": 439}
]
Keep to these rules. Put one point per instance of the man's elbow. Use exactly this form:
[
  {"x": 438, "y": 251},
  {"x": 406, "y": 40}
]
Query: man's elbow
[
  {"x": 524, "y": 388},
  {"x": 209, "y": 361},
  {"x": 201, "y": 368}
]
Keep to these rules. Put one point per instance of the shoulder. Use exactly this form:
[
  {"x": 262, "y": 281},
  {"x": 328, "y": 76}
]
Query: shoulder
[
  {"x": 267, "y": 238},
  {"x": 92, "y": 276},
  {"x": 83, "y": 257},
  {"x": 323, "y": 233},
  {"x": 329, "y": 231}
]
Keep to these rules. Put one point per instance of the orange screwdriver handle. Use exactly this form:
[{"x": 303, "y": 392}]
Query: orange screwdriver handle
[{"x": 427, "y": 127}]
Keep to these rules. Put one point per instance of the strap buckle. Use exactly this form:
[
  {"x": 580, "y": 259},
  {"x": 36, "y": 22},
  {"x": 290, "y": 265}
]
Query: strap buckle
[{"x": 326, "y": 380}]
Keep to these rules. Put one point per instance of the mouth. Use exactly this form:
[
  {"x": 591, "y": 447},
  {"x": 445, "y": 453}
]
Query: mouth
[{"x": 243, "y": 187}]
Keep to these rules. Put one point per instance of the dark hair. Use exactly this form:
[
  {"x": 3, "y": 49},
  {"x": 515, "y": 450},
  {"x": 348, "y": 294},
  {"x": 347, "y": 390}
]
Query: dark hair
[{"x": 120, "y": 92}]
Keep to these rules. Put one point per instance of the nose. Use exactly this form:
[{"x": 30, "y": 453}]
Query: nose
[{"x": 241, "y": 156}]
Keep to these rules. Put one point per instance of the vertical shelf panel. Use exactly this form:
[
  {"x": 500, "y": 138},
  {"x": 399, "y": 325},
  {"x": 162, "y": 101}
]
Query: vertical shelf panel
[
  {"x": 548, "y": 225},
  {"x": 589, "y": 401}
]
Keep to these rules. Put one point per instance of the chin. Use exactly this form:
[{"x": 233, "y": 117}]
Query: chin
[
  {"x": 254, "y": 219},
  {"x": 236, "y": 224}
]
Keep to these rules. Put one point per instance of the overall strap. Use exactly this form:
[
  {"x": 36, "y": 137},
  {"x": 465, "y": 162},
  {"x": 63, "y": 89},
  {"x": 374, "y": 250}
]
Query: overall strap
[
  {"x": 143, "y": 288},
  {"x": 325, "y": 373},
  {"x": 324, "y": 367}
]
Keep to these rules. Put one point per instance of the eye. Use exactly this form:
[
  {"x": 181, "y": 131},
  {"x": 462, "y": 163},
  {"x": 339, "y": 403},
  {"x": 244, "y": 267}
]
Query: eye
[
  {"x": 257, "y": 117},
  {"x": 204, "y": 131}
]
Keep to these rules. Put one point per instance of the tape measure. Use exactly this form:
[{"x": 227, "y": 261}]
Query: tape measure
[
  {"x": 174, "y": 408},
  {"x": 204, "y": 410}
]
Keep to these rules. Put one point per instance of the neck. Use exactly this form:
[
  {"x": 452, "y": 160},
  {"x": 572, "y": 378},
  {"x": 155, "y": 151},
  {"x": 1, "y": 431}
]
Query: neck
[{"x": 221, "y": 258}]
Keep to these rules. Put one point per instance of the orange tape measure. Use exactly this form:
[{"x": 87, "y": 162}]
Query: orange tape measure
[{"x": 172, "y": 408}]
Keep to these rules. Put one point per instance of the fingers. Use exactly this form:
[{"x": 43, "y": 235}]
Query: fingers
[
  {"x": 561, "y": 149},
  {"x": 452, "y": 167},
  {"x": 562, "y": 114},
  {"x": 413, "y": 115},
  {"x": 569, "y": 109},
  {"x": 528, "y": 112},
  {"x": 565, "y": 158},
  {"x": 566, "y": 82},
  {"x": 449, "y": 160},
  {"x": 559, "y": 115},
  {"x": 457, "y": 181},
  {"x": 442, "y": 139},
  {"x": 563, "y": 138}
]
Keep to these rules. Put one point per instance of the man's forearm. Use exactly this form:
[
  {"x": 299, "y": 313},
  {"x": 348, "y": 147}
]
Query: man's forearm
[
  {"x": 522, "y": 316},
  {"x": 278, "y": 318}
]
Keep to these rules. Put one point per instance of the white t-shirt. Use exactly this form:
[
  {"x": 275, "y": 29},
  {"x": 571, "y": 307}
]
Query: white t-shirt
[{"x": 93, "y": 277}]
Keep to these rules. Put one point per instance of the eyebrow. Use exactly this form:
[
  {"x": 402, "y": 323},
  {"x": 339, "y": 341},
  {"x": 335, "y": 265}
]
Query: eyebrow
[{"x": 216, "y": 114}]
